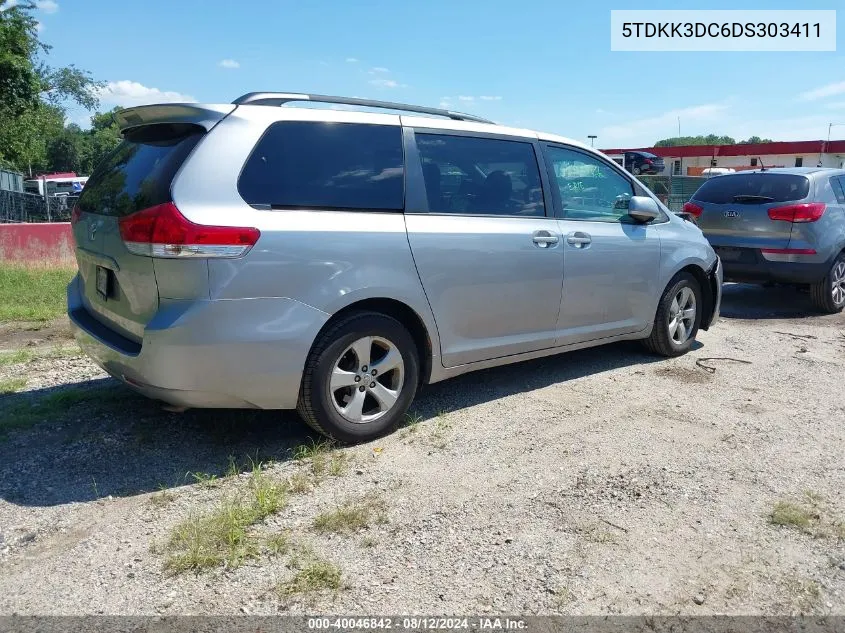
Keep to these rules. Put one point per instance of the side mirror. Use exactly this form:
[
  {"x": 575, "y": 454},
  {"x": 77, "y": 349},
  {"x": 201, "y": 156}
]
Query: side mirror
[{"x": 643, "y": 209}]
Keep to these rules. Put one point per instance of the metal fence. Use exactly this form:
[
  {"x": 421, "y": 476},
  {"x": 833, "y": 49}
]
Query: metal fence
[
  {"x": 16, "y": 206},
  {"x": 673, "y": 190}
]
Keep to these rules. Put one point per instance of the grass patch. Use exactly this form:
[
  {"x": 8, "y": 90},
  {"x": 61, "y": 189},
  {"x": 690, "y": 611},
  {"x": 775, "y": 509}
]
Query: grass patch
[
  {"x": 299, "y": 483},
  {"x": 33, "y": 294},
  {"x": 220, "y": 537},
  {"x": 279, "y": 543},
  {"x": 21, "y": 356},
  {"x": 312, "y": 574},
  {"x": 12, "y": 385},
  {"x": 26, "y": 414},
  {"x": 411, "y": 426},
  {"x": 161, "y": 499},
  {"x": 351, "y": 517},
  {"x": 811, "y": 515},
  {"x": 323, "y": 458}
]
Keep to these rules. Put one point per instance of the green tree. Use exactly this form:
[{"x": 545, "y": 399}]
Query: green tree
[
  {"x": 709, "y": 139},
  {"x": 755, "y": 139},
  {"x": 66, "y": 151},
  {"x": 32, "y": 93}
]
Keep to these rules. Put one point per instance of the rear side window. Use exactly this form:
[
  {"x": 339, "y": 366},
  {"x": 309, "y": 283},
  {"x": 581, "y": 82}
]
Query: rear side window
[
  {"x": 758, "y": 188},
  {"x": 480, "y": 176},
  {"x": 138, "y": 174},
  {"x": 305, "y": 164},
  {"x": 837, "y": 183}
]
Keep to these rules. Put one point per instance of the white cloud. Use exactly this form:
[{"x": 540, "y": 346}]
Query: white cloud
[
  {"x": 387, "y": 83},
  {"x": 352, "y": 60},
  {"x": 490, "y": 98},
  {"x": 131, "y": 93},
  {"x": 228, "y": 63},
  {"x": 829, "y": 90},
  {"x": 8, "y": 5},
  {"x": 466, "y": 98},
  {"x": 378, "y": 69},
  {"x": 650, "y": 129},
  {"x": 47, "y": 6}
]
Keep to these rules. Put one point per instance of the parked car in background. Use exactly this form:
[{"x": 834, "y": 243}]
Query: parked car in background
[
  {"x": 779, "y": 225},
  {"x": 640, "y": 162},
  {"x": 717, "y": 171},
  {"x": 252, "y": 255}
]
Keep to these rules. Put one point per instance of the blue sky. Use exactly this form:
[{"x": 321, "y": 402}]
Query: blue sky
[{"x": 544, "y": 65}]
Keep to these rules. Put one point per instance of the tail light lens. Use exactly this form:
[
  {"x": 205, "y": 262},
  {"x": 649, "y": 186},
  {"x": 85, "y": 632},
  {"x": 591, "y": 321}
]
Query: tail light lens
[
  {"x": 804, "y": 212},
  {"x": 75, "y": 214},
  {"x": 162, "y": 231},
  {"x": 647, "y": 162},
  {"x": 693, "y": 209}
]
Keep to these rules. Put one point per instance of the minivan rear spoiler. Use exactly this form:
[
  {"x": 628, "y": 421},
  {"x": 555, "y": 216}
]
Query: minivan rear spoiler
[{"x": 205, "y": 115}]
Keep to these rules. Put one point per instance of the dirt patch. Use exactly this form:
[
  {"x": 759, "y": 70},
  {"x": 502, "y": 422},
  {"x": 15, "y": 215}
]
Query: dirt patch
[
  {"x": 599, "y": 482},
  {"x": 19, "y": 335}
]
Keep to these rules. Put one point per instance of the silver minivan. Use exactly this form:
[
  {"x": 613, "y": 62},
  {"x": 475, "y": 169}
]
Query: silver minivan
[{"x": 260, "y": 255}]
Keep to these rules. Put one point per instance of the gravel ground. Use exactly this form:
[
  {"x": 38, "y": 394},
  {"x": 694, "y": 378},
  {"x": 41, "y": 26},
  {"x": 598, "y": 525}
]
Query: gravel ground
[{"x": 597, "y": 482}]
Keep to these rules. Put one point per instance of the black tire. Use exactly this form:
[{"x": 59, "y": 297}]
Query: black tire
[
  {"x": 315, "y": 405},
  {"x": 821, "y": 292},
  {"x": 636, "y": 171},
  {"x": 660, "y": 341}
]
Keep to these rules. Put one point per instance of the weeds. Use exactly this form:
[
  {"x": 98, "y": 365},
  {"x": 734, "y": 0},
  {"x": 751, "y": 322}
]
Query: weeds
[
  {"x": 279, "y": 543},
  {"x": 220, "y": 537},
  {"x": 12, "y": 385},
  {"x": 351, "y": 516},
  {"x": 312, "y": 574},
  {"x": 324, "y": 459},
  {"x": 811, "y": 515}
]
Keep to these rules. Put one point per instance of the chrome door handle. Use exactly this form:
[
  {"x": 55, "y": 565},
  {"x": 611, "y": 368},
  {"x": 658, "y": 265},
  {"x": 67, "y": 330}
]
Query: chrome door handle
[
  {"x": 579, "y": 239},
  {"x": 544, "y": 239}
]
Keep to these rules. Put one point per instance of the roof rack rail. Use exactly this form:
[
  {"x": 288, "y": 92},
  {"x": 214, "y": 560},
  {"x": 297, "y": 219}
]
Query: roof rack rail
[{"x": 281, "y": 98}]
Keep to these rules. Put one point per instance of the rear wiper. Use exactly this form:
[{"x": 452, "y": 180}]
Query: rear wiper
[{"x": 745, "y": 197}]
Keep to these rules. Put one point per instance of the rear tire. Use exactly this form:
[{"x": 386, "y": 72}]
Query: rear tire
[
  {"x": 636, "y": 171},
  {"x": 828, "y": 295},
  {"x": 678, "y": 317},
  {"x": 360, "y": 378}
]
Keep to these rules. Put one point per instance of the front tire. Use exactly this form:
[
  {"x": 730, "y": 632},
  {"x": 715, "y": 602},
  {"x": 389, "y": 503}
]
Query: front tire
[
  {"x": 828, "y": 295},
  {"x": 360, "y": 378},
  {"x": 678, "y": 317}
]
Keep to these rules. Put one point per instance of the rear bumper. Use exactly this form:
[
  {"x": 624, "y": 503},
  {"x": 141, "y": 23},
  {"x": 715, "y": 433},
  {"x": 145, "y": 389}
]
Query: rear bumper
[
  {"x": 245, "y": 353},
  {"x": 753, "y": 267}
]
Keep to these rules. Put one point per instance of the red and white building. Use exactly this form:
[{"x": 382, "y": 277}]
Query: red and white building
[{"x": 691, "y": 160}]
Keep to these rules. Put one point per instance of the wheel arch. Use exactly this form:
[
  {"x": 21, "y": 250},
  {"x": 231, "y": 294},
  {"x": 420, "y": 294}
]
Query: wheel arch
[
  {"x": 403, "y": 313},
  {"x": 708, "y": 291}
]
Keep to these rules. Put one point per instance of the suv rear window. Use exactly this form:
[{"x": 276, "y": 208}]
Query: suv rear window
[
  {"x": 759, "y": 188},
  {"x": 305, "y": 164},
  {"x": 138, "y": 174}
]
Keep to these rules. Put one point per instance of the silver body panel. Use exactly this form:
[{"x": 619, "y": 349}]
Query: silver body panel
[{"x": 237, "y": 332}]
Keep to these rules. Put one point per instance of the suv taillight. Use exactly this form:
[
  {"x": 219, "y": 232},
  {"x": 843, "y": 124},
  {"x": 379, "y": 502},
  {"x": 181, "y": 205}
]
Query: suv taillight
[
  {"x": 693, "y": 209},
  {"x": 646, "y": 162},
  {"x": 162, "y": 231},
  {"x": 803, "y": 212}
]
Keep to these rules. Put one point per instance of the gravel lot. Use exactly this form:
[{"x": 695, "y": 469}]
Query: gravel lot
[{"x": 601, "y": 481}]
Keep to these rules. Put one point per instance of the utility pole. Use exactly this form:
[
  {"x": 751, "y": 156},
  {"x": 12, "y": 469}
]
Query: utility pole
[{"x": 592, "y": 138}]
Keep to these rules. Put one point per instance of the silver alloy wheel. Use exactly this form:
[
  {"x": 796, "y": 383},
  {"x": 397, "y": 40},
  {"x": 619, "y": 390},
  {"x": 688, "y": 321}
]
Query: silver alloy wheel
[
  {"x": 682, "y": 315},
  {"x": 367, "y": 379},
  {"x": 837, "y": 283}
]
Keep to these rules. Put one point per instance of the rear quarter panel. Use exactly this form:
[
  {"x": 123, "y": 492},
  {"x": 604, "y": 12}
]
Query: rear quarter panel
[
  {"x": 327, "y": 260},
  {"x": 827, "y": 235}
]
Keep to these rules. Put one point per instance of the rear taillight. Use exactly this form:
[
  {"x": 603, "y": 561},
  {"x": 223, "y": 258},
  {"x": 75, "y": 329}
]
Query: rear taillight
[
  {"x": 162, "y": 231},
  {"x": 647, "y": 161},
  {"x": 693, "y": 209},
  {"x": 75, "y": 214},
  {"x": 803, "y": 212}
]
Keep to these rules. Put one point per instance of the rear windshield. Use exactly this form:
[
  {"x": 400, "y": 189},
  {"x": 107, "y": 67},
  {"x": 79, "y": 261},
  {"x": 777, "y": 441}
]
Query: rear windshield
[
  {"x": 138, "y": 174},
  {"x": 304, "y": 164},
  {"x": 756, "y": 188}
]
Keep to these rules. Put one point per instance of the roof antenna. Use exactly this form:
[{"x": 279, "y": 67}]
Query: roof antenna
[{"x": 762, "y": 166}]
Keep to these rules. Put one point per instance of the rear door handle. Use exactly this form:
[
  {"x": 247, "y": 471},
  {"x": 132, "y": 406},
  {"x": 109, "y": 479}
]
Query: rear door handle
[
  {"x": 579, "y": 239},
  {"x": 545, "y": 239}
]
